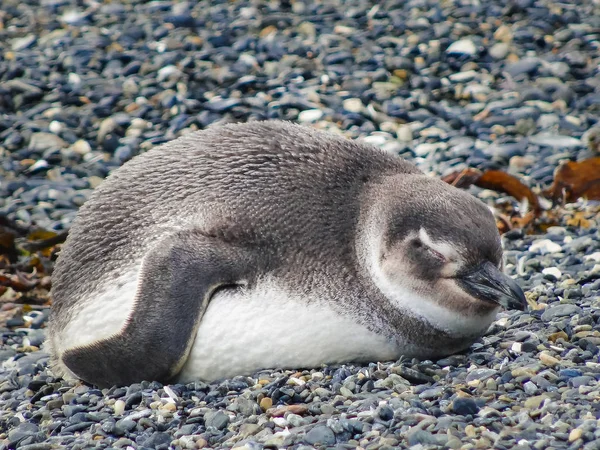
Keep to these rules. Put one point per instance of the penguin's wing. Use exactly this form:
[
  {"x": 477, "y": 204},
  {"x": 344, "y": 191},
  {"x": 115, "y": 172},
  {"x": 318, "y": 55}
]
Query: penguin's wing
[{"x": 177, "y": 279}]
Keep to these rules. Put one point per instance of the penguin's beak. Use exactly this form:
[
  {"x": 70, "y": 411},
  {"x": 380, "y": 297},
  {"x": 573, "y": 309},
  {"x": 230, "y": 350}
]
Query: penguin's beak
[{"x": 488, "y": 283}]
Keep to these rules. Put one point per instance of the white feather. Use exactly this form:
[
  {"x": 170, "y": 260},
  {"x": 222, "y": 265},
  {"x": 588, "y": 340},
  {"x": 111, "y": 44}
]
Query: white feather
[
  {"x": 244, "y": 331},
  {"x": 101, "y": 316}
]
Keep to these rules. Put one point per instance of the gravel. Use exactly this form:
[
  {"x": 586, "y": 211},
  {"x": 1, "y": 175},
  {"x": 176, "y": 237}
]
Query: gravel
[{"x": 515, "y": 86}]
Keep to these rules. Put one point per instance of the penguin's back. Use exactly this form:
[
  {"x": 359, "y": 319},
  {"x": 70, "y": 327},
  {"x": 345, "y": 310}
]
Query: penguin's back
[{"x": 271, "y": 183}]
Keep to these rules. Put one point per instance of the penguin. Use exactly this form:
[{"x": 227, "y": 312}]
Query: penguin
[{"x": 263, "y": 245}]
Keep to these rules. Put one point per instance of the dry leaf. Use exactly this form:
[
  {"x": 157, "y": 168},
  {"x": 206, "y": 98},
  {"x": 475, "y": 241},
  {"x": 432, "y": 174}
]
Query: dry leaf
[
  {"x": 497, "y": 180},
  {"x": 38, "y": 235},
  {"x": 573, "y": 180},
  {"x": 18, "y": 282},
  {"x": 500, "y": 182},
  {"x": 47, "y": 240},
  {"x": 464, "y": 178},
  {"x": 7, "y": 240}
]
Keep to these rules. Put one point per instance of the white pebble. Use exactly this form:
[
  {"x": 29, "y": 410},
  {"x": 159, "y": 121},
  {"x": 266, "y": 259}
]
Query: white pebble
[
  {"x": 353, "y": 105},
  {"x": 139, "y": 124},
  {"x": 74, "y": 79},
  {"x": 464, "y": 46},
  {"x": 82, "y": 147},
  {"x": 499, "y": 50},
  {"x": 462, "y": 77},
  {"x": 544, "y": 246},
  {"x": 593, "y": 257},
  {"x": 119, "y": 407},
  {"x": 555, "y": 140},
  {"x": 297, "y": 381},
  {"x": 172, "y": 395},
  {"x": 554, "y": 271},
  {"x": 310, "y": 115},
  {"x": 55, "y": 126},
  {"x": 404, "y": 133},
  {"x": 72, "y": 17},
  {"x": 168, "y": 72},
  {"x": 426, "y": 149},
  {"x": 280, "y": 421},
  {"x": 376, "y": 139},
  {"x": 502, "y": 322},
  {"x": 560, "y": 231},
  {"x": 39, "y": 164}
]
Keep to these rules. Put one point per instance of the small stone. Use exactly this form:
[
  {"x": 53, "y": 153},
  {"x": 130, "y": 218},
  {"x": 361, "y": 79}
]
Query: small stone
[
  {"x": 168, "y": 72},
  {"x": 548, "y": 359},
  {"x": 553, "y": 272},
  {"x": 544, "y": 246},
  {"x": 470, "y": 431},
  {"x": 40, "y": 142},
  {"x": 575, "y": 434},
  {"x": 432, "y": 393},
  {"x": 56, "y": 126},
  {"x": 412, "y": 375},
  {"x": 480, "y": 374},
  {"x": 310, "y": 115},
  {"x": 295, "y": 420},
  {"x": 119, "y": 407},
  {"x": 404, "y": 133},
  {"x": 385, "y": 413},
  {"x": 169, "y": 407},
  {"x": 521, "y": 163},
  {"x": 122, "y": 442},
  {"x": 82, "y": 147},
  {"x": 503, "y": 34},
  {"x": 583, "y": 380},
  {"x": 158, "y": 440},
  {"x": 530, "y": 388},
  {"x": 534, "y": 402},
  {"x": 293, "y": 409},
  {"x": 422, "y": 437},
  {"x": 346, "y": 392},
  {"x": 216, "y": 419},
  {"x": 266, "y": 403},
  {"x": 124, "y": 426},
  {"x": 463, "y": 77},
  {"x": 327, "y": 409},
  {"x": 320, "y": 434},
  {"x": 591, "y": 138},
  {"x": 593, "y": 257},
  {"x": 23, "y": 43},
  {"x": 524, "y": 66},
  {"x": 563, "y": 310},
  {"x": 465, "y": 406},
  {"x": 426, "y": 149},
  {"x": 246, "y": 406},
  {"x": 353, "y": 105},
  {"x": 555, "y": 140},
  {"x": 462, "y": 47},
  {"x": 107, "y": 126}
]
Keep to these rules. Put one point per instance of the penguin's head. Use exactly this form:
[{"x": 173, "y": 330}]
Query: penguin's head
[{"x": 440, "y": 255}]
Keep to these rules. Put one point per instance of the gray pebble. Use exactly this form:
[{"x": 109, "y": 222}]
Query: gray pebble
[
  {"x": 563, "y": 310},
  {"x": 216, "y": 419},
  {"x": 320, "y": 434}
]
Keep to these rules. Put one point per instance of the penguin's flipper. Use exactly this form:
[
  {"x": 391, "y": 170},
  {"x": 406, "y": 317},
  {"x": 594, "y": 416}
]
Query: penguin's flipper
[{"x": 177, "y": 279}]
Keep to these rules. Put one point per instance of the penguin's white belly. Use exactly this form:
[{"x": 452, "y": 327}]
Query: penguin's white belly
[{"x": 244, "y": 331}]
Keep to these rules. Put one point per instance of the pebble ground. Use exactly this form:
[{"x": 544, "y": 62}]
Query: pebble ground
[{"x": 85, "y": 86}]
